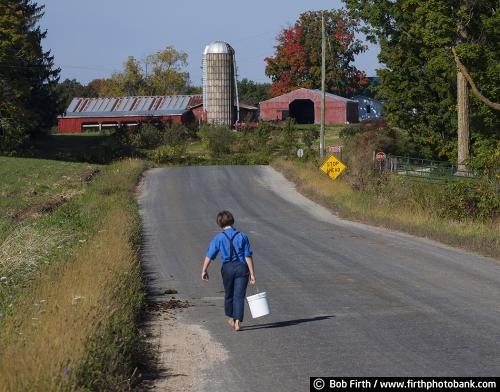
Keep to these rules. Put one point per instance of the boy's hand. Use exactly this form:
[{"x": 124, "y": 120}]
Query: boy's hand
[
  {"x": 204, "y": 275},
  {"x": 252, "y": 279}
]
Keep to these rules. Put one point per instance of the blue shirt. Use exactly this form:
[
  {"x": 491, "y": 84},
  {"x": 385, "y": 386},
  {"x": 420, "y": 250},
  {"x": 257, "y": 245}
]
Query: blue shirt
[{"x": 221, "y": 244}]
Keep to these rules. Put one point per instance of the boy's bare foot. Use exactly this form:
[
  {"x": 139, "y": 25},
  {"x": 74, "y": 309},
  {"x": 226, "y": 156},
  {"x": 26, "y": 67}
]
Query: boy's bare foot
[
  {"x": 237, "y": 325},
  {"x": 231, "y": 323}
]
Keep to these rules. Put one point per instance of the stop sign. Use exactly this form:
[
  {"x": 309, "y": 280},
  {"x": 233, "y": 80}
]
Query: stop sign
[{"x": 380, "y": 156}]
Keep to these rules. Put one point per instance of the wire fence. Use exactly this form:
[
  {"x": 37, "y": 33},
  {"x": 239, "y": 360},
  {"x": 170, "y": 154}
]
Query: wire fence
[{"x": 420, "y": 168}]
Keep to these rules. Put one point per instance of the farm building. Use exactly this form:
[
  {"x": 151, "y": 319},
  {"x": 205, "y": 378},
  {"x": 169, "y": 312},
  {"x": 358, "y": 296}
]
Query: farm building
[
  {"x": 304, "y": 106},
  {"x": 368, "y": 107},
  {"x": 100, "y": 113}
]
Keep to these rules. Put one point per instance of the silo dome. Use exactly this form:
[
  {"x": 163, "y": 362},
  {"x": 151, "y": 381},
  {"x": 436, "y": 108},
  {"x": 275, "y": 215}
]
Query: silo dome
[
  {"x": 219, "y": 47},
  {"x": 219, "y": 84}
]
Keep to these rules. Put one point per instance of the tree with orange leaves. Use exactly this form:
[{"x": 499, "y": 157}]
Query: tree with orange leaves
[{"x": 297, "y": 60}]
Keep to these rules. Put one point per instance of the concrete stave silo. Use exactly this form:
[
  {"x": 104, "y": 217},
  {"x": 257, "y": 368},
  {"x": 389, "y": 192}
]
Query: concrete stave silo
[{"x": 219, "y": 84}]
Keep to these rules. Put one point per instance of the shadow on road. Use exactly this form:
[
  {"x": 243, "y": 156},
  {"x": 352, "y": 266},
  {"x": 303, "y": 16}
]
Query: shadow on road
[{"x": 287, "y": 323}]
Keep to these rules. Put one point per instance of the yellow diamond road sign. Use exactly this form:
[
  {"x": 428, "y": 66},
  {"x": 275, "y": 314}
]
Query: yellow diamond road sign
[{"x": 333, "y": 167}]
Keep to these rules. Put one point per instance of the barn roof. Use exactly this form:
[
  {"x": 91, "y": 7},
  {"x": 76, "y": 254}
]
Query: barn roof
[
  {"x": 167, "y": 105},
  {"x": 316, "y": 92}
]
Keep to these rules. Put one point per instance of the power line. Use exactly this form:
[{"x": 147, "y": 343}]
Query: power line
[{"x": 58, "y": 66}]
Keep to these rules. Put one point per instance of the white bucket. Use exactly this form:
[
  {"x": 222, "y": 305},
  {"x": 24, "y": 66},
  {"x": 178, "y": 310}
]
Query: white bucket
[{"x": 258, "y": 305}]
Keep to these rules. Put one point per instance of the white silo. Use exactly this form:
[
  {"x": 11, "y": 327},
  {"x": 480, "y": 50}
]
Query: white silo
[{"x": 220, "y": 91}]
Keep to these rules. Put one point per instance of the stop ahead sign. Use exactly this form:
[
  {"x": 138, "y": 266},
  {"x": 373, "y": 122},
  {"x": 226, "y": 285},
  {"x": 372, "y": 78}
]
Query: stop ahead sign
[{"x": 380, "y": 156}]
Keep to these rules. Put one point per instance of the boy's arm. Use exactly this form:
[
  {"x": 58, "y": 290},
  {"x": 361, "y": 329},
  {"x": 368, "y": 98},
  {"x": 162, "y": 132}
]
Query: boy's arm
[
  {"x": 249, "y": 260},
  {"x": 204, "y": 271}
]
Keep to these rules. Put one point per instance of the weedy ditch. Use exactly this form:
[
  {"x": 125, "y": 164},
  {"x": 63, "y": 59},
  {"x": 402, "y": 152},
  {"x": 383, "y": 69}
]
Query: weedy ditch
[{"x": 73, "y": 324}]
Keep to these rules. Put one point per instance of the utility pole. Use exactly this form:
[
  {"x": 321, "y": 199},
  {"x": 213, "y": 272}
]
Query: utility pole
[
  {"x": 463, "y": 122},
  {"x": 323, "y": 92}
]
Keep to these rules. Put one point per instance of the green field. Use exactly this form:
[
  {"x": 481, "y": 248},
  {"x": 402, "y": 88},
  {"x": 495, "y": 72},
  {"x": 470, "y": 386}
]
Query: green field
[
  {"x": 69, "y": 238},
  {"x": 30, "y": 190},
  {"x": 29, "y": 182}
]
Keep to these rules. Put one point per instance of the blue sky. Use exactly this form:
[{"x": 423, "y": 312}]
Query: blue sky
[{"x": 92, "y": 38}]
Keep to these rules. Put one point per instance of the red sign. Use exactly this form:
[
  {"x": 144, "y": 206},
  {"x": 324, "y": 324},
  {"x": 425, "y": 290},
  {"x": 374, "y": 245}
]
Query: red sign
[
  {"x": 334, "y": 149},
  {"x": 380, "y": 156}
]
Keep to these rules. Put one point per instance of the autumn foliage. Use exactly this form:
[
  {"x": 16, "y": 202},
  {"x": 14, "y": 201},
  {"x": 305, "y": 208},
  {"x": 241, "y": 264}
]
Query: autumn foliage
[
  {"x": 297, "y": 59},
  {"x": 288, "y": 65}
]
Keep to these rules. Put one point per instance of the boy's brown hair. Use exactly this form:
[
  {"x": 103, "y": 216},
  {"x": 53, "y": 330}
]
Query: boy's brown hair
[{"x": 224, "y": 219}]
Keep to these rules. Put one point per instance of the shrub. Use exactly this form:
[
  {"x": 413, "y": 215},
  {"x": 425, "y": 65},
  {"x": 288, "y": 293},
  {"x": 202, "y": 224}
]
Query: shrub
[
  {"x": 116, "y": 144},
  {"x": 485, "y": 159},
  {"x": 165, "y": 154},
  {"x": 176, "y": 135},
  {"x": 309, "y": 136},
  {"x": 465, "y": 199},
  {"x": 289, "y": 140},
  {"x": 147, "y": 136},
  {"x": 359, "y": 144},
  {"x": 254, "y": 139},
  {"x": 12, "y": 136},
  {"x": 217, "y": 139}
]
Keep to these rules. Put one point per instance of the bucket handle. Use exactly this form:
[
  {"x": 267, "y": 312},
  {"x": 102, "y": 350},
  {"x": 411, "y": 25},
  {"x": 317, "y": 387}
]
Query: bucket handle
[{"x": 255, "y": 289}]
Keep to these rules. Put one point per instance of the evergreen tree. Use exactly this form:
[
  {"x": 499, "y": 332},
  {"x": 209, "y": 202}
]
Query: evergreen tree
[{"x": 28, "y": 102}]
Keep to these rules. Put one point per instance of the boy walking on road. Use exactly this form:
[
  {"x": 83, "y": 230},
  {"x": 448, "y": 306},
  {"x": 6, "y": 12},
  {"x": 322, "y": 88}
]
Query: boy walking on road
[{"x": 237, "y": 266}]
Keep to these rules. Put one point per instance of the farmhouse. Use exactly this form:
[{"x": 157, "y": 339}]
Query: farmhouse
[
  {"x": 304, "y": 105},
  {"x": 100, "y": 113}
]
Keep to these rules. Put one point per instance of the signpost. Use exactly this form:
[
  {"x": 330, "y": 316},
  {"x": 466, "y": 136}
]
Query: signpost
[
  {"x": 333, "y": 167},
  {"x": 300, "y": 153},
  {"x": 380, "y": 156}
]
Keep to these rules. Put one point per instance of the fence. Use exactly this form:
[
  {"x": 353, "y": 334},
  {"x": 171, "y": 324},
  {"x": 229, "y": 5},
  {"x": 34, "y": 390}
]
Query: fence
[{"x": 421, "y": 168}]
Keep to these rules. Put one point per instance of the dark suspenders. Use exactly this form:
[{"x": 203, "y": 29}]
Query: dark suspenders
[{"x": 232, "y": 251}]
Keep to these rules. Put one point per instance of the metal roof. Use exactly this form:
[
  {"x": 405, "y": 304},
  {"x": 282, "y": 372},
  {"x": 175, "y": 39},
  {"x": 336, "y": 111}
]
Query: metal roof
[
  {"x": 219, "y": 47},
  {"x": 168, "y": 105},
  {"x": 336, "y": 97},
  {"x": 315, "y": 91},
  {"x": 246, "y": 106}
]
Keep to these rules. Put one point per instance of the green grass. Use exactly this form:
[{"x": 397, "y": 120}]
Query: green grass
[
  {"x": 332, "y": 135},
  {"x": 196, "y": 148},
  {"x": 29, "y": 236},
  {"x": 27, "y": 182}
]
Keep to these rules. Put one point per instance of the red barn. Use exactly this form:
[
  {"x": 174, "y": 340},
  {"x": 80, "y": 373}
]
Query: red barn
[
  {"x": 99, "y": 113},
  {"x": 304, "y": 106}
]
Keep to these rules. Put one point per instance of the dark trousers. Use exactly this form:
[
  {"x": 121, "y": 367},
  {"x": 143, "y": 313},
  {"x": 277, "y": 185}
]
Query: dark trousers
[{"x": 235, "y": 278}]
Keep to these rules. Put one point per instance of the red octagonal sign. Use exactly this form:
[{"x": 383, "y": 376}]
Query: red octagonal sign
[{"x": 380, "y": 156}]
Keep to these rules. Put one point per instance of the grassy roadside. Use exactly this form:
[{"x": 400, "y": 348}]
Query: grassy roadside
[
  {"x": 338, "y": 196},
  {"x": 72, "y": 325}
]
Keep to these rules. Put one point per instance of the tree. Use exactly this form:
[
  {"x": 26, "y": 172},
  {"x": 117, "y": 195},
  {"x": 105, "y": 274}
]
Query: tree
[
  {"x": 132, "y": 78},
  {"x": 252, "y": 93},
  {"x": 111, "y": 87},
  {"x": 130, "y": 81},
  {"x": 297, "y": 61},
  {"x": 28, "y": 102},
  {"x": 421, "y": 83},
  {"x": 71, "y": 88},
  {"x": 167, "y": 76},
  {"x": 287, "y": 68}
]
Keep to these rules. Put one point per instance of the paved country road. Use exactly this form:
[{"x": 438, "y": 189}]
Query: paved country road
[{"x": 347, "y": 299}]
